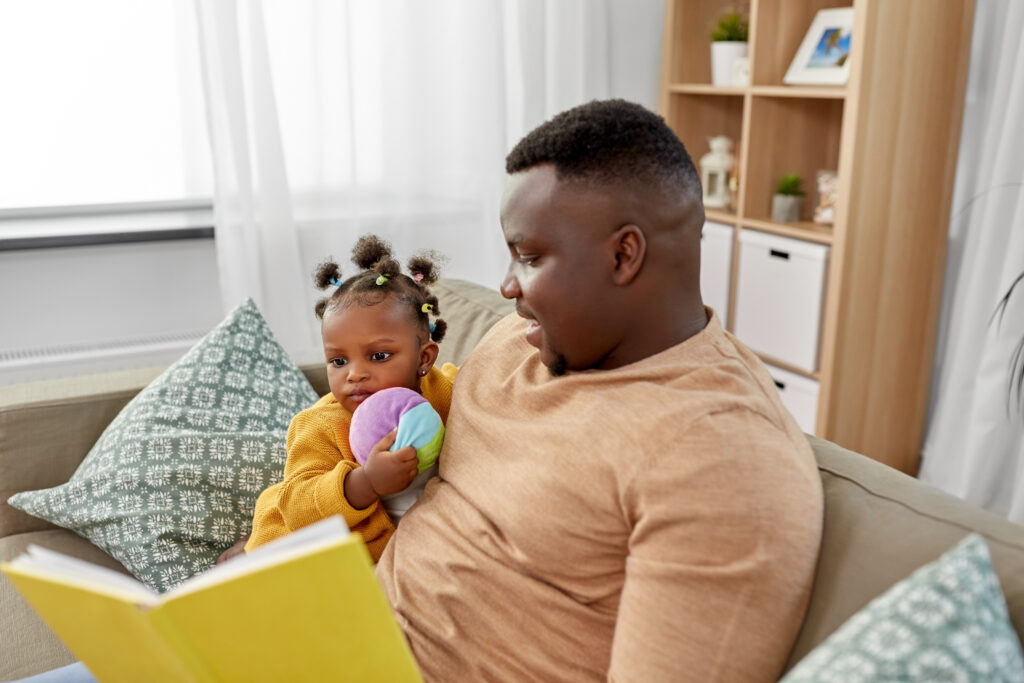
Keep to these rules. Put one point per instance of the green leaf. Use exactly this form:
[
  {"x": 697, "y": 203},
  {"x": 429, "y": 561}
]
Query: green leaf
[
  {"x": 731, "y": 26},
  {"x": 789, "y": 184}
]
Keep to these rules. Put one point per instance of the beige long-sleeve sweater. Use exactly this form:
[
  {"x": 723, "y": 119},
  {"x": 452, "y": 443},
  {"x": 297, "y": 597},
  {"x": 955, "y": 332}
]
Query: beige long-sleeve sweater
[{"x": 656, "y": 522}]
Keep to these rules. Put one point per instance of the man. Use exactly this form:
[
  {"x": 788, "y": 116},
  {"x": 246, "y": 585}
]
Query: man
[{"x": 621, "y": 493}]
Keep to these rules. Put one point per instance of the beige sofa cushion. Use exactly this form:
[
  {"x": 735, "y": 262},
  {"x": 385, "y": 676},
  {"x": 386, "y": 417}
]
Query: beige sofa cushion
[
  {"x": 880, "y": 526},
  {"x": 46, "y": 428}
]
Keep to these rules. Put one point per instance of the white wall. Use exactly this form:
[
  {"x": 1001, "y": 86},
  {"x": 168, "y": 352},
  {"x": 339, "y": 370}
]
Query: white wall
[
  {"x": 636, "y": 28},
  {"x": 80, "y": 297}
]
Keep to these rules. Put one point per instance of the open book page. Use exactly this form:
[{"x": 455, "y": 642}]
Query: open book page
[
  {"x": 300, "y": 542},
  {"x": 72, "y": 571},
  {"x": 75, "y": 572}
]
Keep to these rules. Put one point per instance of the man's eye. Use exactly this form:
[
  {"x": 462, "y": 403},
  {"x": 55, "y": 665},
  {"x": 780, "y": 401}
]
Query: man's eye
[
  {"x": 338, "y": 362},
  {"x": 380, "y": 355}
]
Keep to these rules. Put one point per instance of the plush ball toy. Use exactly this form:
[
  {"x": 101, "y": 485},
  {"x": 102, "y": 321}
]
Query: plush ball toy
[{"x": 418, "y": 424}]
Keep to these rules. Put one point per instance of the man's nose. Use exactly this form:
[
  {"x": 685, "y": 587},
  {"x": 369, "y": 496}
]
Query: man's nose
[{"x": 509, "y": 286}]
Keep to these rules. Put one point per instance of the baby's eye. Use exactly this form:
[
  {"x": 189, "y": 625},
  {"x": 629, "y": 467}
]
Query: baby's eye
[
  {"x": 338, "y": 362},
  {"x": 526, "y": 260},
  {"x": 380, "y": 355}
]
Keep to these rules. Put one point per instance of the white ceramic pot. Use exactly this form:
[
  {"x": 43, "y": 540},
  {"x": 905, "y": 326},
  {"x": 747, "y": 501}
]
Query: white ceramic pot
[
  {"x": 786, "y": 208},
  {"x": 723, "y": 54}
]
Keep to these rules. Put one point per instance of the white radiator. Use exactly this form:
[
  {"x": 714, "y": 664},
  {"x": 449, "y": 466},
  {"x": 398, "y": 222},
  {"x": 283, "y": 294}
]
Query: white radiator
[
  {"x": 84, "y": 310},
  {"x": 54, "y": 362}
]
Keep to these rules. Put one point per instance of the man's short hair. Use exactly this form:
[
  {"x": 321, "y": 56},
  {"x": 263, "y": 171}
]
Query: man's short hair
[{"x": 609, "y": 142}]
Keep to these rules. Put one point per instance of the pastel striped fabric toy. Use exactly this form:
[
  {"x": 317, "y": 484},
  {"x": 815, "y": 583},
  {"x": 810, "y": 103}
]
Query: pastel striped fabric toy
[{"x": 418, "y": 424}]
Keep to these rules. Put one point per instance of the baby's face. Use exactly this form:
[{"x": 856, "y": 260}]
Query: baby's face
[{"x": 369, "y": 348}]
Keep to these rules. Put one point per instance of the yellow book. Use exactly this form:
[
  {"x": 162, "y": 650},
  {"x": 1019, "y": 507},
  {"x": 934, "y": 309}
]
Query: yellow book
[{"x": 306, "y": 607}]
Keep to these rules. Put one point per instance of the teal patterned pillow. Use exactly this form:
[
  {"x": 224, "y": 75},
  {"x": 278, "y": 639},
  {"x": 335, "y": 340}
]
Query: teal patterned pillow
[
  {"x": 946, "y": 622},
  {"x": 172, "y": 481}
]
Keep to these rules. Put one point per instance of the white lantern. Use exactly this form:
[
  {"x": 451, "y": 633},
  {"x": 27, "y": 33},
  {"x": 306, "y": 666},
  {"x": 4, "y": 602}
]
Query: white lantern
[{"x": 715, "y": 167}]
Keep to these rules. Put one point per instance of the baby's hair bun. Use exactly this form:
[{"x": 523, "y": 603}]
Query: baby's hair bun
[
  {"x": 326, "y": 273},
  {"x": 423, "y": 267},
  {"x": 321, "y": 306},
  {"x": 381, "y": 277},
  {"x": 373, "y": 253},
  {"x": 440, "y": 327}
]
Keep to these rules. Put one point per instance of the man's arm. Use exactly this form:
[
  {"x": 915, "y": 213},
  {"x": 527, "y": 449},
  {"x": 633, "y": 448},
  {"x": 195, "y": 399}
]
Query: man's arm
[{"x": 724, "y": 542}]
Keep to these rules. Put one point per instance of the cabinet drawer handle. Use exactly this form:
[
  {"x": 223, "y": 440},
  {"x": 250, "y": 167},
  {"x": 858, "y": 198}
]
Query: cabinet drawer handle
[
  {"x": 780, "y": 385},
  {"x": 779, "y": 254}
]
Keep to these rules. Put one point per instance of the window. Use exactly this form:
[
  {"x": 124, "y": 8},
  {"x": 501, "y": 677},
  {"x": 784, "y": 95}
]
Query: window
[{"x": 102, "y": 104}]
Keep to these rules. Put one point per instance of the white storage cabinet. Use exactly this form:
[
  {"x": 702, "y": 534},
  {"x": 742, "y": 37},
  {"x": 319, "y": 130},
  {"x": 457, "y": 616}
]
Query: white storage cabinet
[
  {"x": 799, "y": 394},
  {"x": 779, "y": 295},
  {"x": 715, "y": 267}
]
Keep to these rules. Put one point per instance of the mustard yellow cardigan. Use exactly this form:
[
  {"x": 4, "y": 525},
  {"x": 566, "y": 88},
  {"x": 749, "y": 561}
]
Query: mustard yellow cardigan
[{"x": 319, "y": 459}]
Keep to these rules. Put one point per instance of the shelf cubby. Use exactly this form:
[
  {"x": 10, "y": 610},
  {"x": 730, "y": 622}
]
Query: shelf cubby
[
  {"x": 891, "y": 133},
  {"x": 778, "y": 27},
  {"x": 774, "y": 150},
  {"x": 690, "y": 31},
  {"x": 696, "y": 118}
]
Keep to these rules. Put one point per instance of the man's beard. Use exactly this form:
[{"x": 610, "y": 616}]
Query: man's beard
[{"x": 558, "y": 367}]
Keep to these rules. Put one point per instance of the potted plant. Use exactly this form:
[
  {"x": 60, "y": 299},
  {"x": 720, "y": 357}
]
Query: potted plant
[
  {"x": 788, "y": 198},
  {"x": 728, "y": 43}
]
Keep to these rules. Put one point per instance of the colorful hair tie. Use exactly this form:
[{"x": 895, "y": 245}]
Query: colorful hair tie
[
  {"x": 427, "y": 308},
  {"x": 417, "y": 277},
  {"x": 433, "y": 326},
  {"x": 381, "y": 279},
  {"x": 335, "y": 281}
]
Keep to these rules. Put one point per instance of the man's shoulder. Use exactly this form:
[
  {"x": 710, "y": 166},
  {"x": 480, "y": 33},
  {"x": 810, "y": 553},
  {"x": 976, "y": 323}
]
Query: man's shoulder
[{"x": 502, "y": 345}]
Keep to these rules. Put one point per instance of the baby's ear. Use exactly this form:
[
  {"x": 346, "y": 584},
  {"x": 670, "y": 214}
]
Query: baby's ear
[{"x": 428, "y": 356}]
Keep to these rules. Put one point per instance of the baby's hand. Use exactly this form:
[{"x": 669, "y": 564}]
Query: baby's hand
[{"x": 390, "y": 471}]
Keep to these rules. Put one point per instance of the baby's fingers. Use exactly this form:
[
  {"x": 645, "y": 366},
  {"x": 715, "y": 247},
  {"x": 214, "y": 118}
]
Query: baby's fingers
[
  {"x": 385, "y": 443},
  {"x": 405, "y": 455}
]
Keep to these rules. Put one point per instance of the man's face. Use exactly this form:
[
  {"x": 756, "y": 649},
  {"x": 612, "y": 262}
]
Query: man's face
[{"x": 558, "y": 239}]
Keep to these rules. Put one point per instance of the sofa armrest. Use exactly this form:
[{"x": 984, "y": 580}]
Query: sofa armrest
[{"x": 47, "y": 428}]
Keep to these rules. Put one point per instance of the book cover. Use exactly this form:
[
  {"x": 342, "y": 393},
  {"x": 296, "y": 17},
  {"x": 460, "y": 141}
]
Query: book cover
[{"x": 306, "y": 607}]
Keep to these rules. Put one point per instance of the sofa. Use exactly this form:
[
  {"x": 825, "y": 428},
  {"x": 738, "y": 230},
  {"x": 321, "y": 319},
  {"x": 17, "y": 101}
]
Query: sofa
[{"x": 880, "y": 525}]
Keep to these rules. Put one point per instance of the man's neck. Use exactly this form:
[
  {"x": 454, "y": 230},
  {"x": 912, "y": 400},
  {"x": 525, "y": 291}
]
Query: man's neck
[{"x": 672, "y": 326}]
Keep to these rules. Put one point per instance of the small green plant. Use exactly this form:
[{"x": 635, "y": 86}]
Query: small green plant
[
  {"x": 789, "y": 184},
  {"x": 731, "y": 26}
]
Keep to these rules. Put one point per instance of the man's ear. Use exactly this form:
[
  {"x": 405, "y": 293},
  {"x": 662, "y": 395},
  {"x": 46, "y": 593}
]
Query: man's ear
[
  {"x": 428, "y": 354},
  {"x": 630, "y": 252}
]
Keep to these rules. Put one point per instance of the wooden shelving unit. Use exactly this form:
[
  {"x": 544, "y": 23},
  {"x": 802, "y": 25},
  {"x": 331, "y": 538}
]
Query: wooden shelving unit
[{"x": 892, "y": 132}]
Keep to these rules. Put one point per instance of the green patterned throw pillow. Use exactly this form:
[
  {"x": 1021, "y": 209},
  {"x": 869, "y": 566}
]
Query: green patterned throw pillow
[
  {"x": 172, "y": 481},
  {"x": 946, "y": 622}
]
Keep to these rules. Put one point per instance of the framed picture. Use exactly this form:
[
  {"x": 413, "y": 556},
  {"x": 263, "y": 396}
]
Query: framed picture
[
  {"x": 827, "y": 192},
  {"x": 741, "y": 72},
  {"x": 824, "y": 54}
]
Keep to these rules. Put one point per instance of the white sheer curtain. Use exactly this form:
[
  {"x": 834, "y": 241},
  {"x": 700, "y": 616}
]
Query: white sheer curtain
[
  {"x": 331, "y": 119},
  {"x": 975, "y": 441}
]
